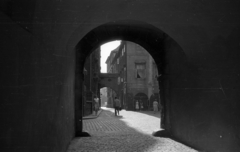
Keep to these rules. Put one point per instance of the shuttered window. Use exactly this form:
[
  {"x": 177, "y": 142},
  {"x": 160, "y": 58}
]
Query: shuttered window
[{"x": 140, "y": 70}]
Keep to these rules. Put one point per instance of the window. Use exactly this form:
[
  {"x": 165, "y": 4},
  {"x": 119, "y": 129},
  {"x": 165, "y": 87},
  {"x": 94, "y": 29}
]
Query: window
[
  {"x": 118, "y": 80},
  {"x": 140, "y": 70},
  {"x": 123, "y": 50},
  {"x": 115, "y": 69},
  {"x": 117, "y": 60}
]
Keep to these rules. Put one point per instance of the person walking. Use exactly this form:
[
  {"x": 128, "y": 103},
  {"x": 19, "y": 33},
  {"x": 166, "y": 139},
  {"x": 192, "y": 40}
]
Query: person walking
[
  {"x": 137, "y": 105},
  {"x": 141, "y": 105},
  {"x": 117, "y": 105},
  {"x": 155, "y": 106},
  {"x": 96, "y": 104}
]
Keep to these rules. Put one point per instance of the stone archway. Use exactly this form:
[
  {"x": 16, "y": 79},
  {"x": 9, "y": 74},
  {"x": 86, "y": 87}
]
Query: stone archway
[
  {"x": 149, "y": 37},
  {"x": 108, "y": 80}
]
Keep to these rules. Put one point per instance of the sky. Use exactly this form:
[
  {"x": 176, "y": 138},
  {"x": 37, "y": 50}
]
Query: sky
[{"x": 105, "y": 51}]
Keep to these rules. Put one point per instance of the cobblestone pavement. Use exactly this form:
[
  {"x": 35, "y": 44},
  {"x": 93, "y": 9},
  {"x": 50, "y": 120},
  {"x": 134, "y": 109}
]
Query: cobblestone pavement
[{"x": 129, "y": 132}]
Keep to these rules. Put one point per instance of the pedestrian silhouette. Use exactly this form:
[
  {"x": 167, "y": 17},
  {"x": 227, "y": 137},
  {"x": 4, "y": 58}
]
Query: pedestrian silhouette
[{"x": 117, "y": 106}]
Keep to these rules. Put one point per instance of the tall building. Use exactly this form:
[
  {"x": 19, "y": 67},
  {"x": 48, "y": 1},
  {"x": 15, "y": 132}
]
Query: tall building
[
  {"x": 111, "y": 68},
  {"x": 91, "y": 81},
  {"x": 137, "y": 75}
]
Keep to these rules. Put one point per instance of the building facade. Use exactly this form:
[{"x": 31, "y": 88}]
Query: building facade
[
  {"x": 91, "y": 81},
  {"x": 137, "y": 75},
  {"x": 111, "y": 68}
]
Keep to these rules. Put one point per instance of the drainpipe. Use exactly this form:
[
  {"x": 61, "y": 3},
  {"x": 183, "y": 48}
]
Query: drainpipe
[
  {"x": 126, "y": 74},
  {"x": 150, "y": 77}
]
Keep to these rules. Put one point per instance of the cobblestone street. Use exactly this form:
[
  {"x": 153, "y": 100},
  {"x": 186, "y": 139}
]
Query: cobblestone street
[{"x": 131, "y": 131}]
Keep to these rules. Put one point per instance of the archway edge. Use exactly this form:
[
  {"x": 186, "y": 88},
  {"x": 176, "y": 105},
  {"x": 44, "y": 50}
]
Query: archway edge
[
  {"x": 148, "y": 36},
  {"x": 108, "y": 87},
  {"x": 139, "y": 93},
  {"x": 109, "y": 80},
  {"x": 155, "y": 41}
]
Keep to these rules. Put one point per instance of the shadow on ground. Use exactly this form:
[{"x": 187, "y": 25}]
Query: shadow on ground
[{"x": 110, "y": 133}]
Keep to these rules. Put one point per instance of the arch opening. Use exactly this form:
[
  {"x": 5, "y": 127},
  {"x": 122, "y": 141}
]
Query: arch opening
[{"x": 149, "y": 37}]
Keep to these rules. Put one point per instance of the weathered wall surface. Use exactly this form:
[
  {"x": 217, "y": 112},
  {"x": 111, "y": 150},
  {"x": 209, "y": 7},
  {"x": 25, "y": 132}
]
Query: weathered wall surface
[
  {"x": 202, "y": 74},
  {"x": 36, "y": 92},
  {"x": 203, "y": 66},
  {"x": 203, "y": 100}
]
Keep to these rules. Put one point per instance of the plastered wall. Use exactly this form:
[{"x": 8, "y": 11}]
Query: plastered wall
[{"x": 37, "y": 108}]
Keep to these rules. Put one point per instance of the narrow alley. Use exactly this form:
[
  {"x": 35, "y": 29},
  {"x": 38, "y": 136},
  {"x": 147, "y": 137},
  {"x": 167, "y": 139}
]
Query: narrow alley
[{"x": 130, "y": 131}]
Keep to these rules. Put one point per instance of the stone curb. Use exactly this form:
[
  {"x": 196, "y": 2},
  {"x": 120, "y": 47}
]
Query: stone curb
[{"x": 92, "y": 116}]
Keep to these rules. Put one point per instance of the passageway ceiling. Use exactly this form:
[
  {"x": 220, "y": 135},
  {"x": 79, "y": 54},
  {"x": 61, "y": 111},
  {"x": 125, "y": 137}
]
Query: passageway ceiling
[
  {"x": 142, "y": 33},
  {"x": 187, "y": 23}
]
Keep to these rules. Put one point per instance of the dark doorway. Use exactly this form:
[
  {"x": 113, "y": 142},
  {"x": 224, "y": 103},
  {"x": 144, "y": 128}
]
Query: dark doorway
[{"x": 142, "y": 98}]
